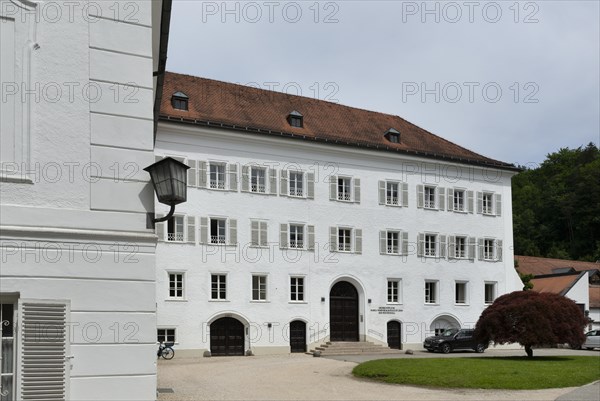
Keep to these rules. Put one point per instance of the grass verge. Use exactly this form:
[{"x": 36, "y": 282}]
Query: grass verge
[{"x": 512, "y": 373}]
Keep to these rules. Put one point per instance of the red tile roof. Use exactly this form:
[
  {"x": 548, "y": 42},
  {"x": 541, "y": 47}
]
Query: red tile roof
[
  {"x": 556, "y": 285},
  {"x": 538, "y": 266},
  {"x": 259, "y": 111}
]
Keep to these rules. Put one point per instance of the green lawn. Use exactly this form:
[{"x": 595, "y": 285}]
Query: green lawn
[{"x": 515, "y": 373}]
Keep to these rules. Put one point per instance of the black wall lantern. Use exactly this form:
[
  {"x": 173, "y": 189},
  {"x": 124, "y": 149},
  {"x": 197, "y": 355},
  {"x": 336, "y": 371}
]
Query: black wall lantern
[{"x": 169, "y": 179}]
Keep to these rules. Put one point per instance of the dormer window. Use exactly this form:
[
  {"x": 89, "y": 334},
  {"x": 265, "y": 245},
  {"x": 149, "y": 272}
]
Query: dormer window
[
  {"x": 179, "y": 101},
  {"x": 296, "y": 119},
  {"x": 392, "y": 135}
]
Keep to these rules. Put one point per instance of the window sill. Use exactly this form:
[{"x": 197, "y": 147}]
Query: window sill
[
  {"x": 298, "y": 302},
  {"x": 256, "y": 301},
  {"x": 460, "y": 211},
  {"x": 432, "y": 304},
  {"x": 392, "y": 254},
  {"x": 431, "y": 208},
  {"x": 343, "y": 200},
  {"x": 394, "y": 303},
  {"x": 175, "y": 300},
  {"x": 461, "y": 304},
  {"x": 259, "y": 246},
  {"x": 297, "y": 196},
  {"x": 392, "y": 205},
  {"x": 218, "y": 300}
]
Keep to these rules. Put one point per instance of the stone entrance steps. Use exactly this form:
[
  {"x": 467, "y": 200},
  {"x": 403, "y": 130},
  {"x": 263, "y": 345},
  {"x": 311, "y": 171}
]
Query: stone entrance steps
[{"x": 352, "y": 348}]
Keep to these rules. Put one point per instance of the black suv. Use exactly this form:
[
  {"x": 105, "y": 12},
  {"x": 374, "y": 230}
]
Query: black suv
[{"x": 453, "y": 339}]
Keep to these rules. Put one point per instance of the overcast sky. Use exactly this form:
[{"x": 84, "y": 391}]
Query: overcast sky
[{"x": 512, "y": 81}]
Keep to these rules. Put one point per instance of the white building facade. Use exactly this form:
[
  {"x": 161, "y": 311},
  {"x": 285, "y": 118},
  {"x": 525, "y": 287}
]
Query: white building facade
[
  {"x": 287, "y": 242},
  {"x": 77, "y": 288}
]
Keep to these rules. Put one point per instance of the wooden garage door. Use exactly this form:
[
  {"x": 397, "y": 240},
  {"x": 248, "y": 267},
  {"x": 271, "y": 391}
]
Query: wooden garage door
[
  {"x": 298, "y": 336},
  {"x": 227, "y": 337},
  {"x": 343, "y": 312}
]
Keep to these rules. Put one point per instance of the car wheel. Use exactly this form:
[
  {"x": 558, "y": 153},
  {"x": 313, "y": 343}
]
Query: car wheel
[
  {"x": 446, "y": 348},
  {"x": 480, "y": 348}
]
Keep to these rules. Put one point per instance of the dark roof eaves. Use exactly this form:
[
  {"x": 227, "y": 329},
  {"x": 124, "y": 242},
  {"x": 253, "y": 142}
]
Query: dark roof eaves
[{"x": 266, "y": 131}]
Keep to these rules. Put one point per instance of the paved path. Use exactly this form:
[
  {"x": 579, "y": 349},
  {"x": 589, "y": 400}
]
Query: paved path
[{"x": 302, "y": 377}]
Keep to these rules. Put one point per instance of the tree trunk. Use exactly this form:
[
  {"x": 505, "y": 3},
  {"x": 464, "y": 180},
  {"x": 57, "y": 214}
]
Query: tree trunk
[{"x": 529, "y": 351}]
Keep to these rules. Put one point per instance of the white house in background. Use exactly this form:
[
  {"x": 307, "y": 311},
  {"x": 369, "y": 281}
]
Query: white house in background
[
  {"x": 77, "y": 288},
  {"x": 309, "y": 221}
]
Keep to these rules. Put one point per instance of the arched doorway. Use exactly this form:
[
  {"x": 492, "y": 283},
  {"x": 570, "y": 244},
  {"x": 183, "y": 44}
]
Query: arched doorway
[
  {"x": 394, "y": 334},
  {"x": 227, "y": 337},
  {"x": 343, "y": 312},
  {"x": 298, "y": 336},
  {"x": 443, "y": 323}
]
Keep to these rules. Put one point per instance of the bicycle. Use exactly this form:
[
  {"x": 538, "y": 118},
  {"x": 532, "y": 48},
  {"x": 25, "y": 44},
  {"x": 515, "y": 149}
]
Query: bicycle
[{"x": 165, "y": 350}]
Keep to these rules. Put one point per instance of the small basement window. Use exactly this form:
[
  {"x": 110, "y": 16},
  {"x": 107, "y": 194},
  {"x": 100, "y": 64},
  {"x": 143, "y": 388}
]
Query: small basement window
[
  {"x": 296, "y": 119},
  {"x": 392, "y": 135},
  {"x": 179, "y": 101}
]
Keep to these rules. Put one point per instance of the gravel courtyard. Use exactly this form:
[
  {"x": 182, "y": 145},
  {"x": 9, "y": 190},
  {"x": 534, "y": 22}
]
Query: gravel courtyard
[{"x": 302, "y": 377}]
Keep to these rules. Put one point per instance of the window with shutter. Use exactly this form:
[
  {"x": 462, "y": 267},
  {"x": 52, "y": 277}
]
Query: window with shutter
[
  {"x": 217, "y": 228},
  {"x": 296, "y": 184},
  {"x": 344, "y": 189},
  {"x": 175, "y": 226},
  {"x": 7, "y": 350},
  {"x": 263, "y": 234},
  {"x": 258, "y": 179},
  {"x": 392, "y": 194},
  {"x": 191, "y": 229},
  {"x": 296, "y": 236},
  {"x": 217, "y": 176},
  {"x": 232, "y": 240},
  {"x": 458, "y": 200},
  {"x": 356, "y": 185},
  {"x": 344, "y": 239},
  {"x": 255, "y": 233},
  {"x": 487, "y": 203},
  {"x": 310, "y": 185},
  {"x": 283, "y": 236},
  {"x": 311, "y": 237},
  {"x": 202, "y": 174},
  {"x": 192, "y": 173},
  {"x": 430, "y": 245},
  {"x": 232, "y": 171},
  {"x": 429, "y": 197},
  {"x": 393, "y": 243},
  {"x": 44, "y": 350}
]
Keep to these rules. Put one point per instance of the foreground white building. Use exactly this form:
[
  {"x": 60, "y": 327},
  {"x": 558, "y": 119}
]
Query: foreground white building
[
  {"x": 309, "y": 221},
  {"x": 77, "y": 277}
]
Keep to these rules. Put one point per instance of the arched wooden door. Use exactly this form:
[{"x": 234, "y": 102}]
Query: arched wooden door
[
  {"x": 298, "y": 336},
  {"x": 343, "y": 312},
  {"x": 394, "y": 334},
  {"x": 227, "y": 337}
]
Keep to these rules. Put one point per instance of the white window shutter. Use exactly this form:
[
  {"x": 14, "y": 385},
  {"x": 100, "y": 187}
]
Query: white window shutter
[
  {"x": 232, "y": 171},
  {"x": 273, "y": 181},
  {"x": 405, "y": 243},
  {"x": 382, "y": 192},
  {"x": 450, "y": 205},
  {"x": 498, "y": 205},
  {"x": 499, "y": 250},
  {"x": 479, "y": 203},
  {"x": 442, "y": 246},
  {"x": 404, "y": 194},
  {"x": 310, "y": 185},
  {"x": 263, "y": 233},
  {"x": 254, "y": 233},
  {"x": 191, "y": 229},
  {"x": 283, "y": 236},
  {"x": 202, "y": 174},
  {"x": 421, "y": 245},
  {"x": 357, "y": 190},
  {"x": 383, "y": 242},
  {"x": 357, "y": 241},
  {"x": 470, "y": 201},
  {"x": 472, "y": 245},
  {"x": 451, "y": 247},
  {"x": 192, "y": 174},
  {"x": 420, "y": 196},
  {"x": 283, "y": 183},
  {"x": 204, "y": 230},
  {"x": 311, "y": 237},
  {"x": 333, "y": 188},
  {"x": 159, "y": 228},
  {"x": 480, "y": 246},
  {"x": 245, "y": 178},
  {"x": 441, "y": 192},
  {"x": 233, "y": 232},
  {"x": 333, "y": 234},
  {"x": 43, "y": 352}
]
